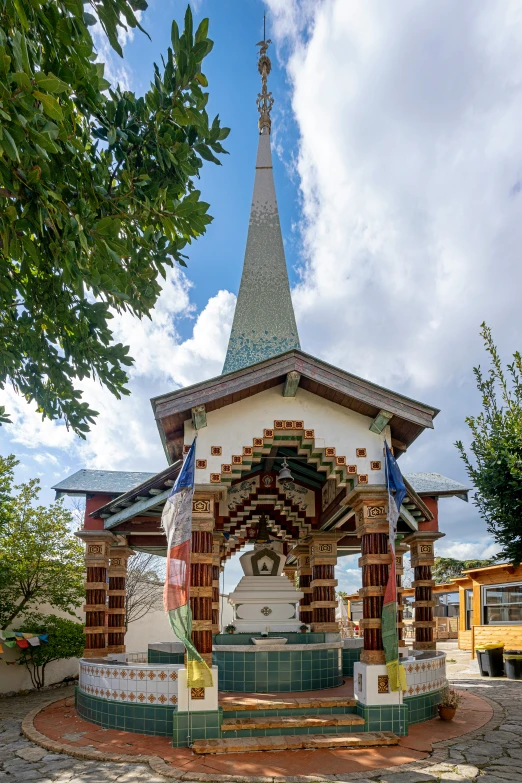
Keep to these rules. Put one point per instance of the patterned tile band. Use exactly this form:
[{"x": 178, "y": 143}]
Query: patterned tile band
[{"x": 130, "y": 684}]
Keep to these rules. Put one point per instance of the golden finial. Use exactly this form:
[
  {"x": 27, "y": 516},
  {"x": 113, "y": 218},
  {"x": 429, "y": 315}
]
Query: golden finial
[{"x": 265, "y": 100}]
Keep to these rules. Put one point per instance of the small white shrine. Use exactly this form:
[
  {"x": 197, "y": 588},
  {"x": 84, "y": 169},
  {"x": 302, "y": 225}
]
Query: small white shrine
[{"x": 265, "y": 600}]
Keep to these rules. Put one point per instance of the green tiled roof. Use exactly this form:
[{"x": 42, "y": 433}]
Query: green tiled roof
[{"x": 110, "y": 481}]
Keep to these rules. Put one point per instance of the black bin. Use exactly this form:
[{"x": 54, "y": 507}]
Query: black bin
[
  {"x": 490, "y": 660},
  {"x": 513, "y": 664}
]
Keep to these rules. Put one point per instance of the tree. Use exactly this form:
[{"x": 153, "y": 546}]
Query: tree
[
  {"x": 97, "y": 193},
  {"x": 144, "y": 586},
  {"x": 446, "y": 568},
  {"x": 66, "y": 640},
  {"x": 41, "y": 562},
  {"x": 495, "y": 462}
]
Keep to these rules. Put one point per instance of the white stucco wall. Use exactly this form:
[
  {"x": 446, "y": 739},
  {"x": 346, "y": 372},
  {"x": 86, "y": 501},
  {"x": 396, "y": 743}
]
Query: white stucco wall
[{"x": 235, "y": 426}]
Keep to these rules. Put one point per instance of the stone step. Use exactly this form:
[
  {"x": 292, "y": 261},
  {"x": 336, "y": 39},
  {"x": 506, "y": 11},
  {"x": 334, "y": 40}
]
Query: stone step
[
  {"x": 368, "y": 739},
  {"x": 302, "y": 702},
  {"x": 290, "y": 722}
]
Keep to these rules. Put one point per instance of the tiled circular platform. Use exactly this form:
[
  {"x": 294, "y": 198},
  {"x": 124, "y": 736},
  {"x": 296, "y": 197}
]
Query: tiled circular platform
[{"x": 59, "y": 728}]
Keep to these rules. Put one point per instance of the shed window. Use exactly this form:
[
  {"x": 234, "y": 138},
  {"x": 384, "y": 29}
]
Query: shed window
[{"x": 502, "y": 604}]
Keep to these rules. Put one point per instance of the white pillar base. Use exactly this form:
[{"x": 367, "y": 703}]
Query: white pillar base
[
  {"x": 208, "y": 703},
  {"x": 369, "y": 682}
]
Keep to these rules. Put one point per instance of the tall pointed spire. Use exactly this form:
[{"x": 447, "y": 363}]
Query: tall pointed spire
[{"x": 264, "y": 321}]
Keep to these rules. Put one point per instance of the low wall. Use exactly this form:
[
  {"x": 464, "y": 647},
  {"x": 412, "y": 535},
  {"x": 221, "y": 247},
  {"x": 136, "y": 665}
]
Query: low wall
[
  {"x": 464, "y": 640},
  {"x": 307, "y": 667},
  {"x": 352, "y": 649},
  {"x": 509, "y": 635}
]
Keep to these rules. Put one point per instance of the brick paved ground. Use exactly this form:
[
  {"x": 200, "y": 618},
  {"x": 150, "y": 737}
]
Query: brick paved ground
[{"x": 492, "y": 754}]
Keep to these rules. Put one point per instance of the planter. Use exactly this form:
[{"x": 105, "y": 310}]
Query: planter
[{"x": 447, "y": 713}]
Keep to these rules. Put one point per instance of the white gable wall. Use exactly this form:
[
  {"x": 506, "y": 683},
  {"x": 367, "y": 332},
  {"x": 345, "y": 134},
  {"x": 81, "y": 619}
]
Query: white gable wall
[{"x": 235, "y": 426}]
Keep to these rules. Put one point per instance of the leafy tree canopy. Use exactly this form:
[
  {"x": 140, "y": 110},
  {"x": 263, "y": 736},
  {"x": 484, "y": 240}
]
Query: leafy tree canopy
[
  {"x": 41, "y": 561},
  {"x": 446, "y": 568},
  {"x": 97, "y": 193},
  {"x": 494, "y": 459},
  {"x": 66, "y": 640}
]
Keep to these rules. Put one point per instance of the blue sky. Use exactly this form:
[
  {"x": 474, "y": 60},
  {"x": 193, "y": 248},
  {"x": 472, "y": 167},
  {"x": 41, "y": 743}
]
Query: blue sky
[{"x": 396, "y": 132}]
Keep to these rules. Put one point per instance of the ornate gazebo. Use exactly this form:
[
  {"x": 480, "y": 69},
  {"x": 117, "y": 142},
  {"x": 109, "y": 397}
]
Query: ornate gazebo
[{"x": 273, "y": 407}]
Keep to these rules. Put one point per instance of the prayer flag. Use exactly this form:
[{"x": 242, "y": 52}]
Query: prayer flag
[
  {"x": 396, "y": 494},
  {"x": 176, "y": 521},
  {"x": 34, "y": 641},
  {"x": 28, "y": 635},
  {"x": 1, "y": 649},
  {"x": 10, "y": 642},
  {"x": 23, "y": 643}
]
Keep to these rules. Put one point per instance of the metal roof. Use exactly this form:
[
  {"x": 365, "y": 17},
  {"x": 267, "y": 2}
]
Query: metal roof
[
  {"x": 435, "y": 484},
  {"x": 114, "y": 482}
]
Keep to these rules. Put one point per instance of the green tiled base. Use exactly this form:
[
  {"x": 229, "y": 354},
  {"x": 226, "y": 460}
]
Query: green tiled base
[
  {"x": 156, "y": 656},
  {"x": 380, "y": 718},
  {"x": 246, "y": 638},
  {"x": 294, "y": 730},
  {"x": 351, "y": 655},
  {"x": 139, "y": 718},
  {"x": 266, "y": 672},
  {"x": 200, "y": 725},
  {"x": 423, "y": 707}
]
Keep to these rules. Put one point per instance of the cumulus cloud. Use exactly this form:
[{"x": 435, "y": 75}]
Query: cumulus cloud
[
  {"x": 125, "y": 435},
  {"x": 409, "y": 164}
]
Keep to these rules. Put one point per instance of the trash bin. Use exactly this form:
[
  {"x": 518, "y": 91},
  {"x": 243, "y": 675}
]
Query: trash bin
[
  {"x": 513, "y": 664},
  {"x": 490, "y": 659}
]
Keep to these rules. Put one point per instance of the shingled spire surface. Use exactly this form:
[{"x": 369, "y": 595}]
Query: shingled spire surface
[{"x": 264, "y": 321}]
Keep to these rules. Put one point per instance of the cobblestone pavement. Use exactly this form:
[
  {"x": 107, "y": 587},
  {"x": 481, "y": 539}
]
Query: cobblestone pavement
[{"x": 492, "y": 754}]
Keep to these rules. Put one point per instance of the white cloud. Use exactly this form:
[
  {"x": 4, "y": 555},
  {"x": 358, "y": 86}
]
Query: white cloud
[
  {"x": 125, "y": 435},
  {"x": 410, "y": 167}
]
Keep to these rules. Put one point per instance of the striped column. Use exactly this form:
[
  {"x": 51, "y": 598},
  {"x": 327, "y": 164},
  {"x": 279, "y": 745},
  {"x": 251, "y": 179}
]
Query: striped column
[
  {"x": 422, "y": 546},
  {"x": 97, "y": 555},
  {"x": 304, "y": 574},
  {"x": 400, "y": 551},
  {"x": 117, "y": 573},
  {"x": 217, "y": 540},
  {"x": 323, "y": 559},
  {"x": 201, "y": 574},
  {"x": 370, "y": 506}
]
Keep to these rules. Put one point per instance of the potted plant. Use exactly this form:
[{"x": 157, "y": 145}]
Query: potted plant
[
  {"x": 303, "y": 628},
  {"x": 450, "y": 701},
  {"x": 230, "y": 628}
]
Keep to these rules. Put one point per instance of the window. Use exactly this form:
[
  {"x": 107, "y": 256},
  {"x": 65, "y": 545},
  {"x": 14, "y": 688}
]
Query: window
[
  {"x": 468, "y": 598},
  {"x": 407, "y": 603},
  {"x": 502, "y": 604},
  {"x": 446, "y": 605}
]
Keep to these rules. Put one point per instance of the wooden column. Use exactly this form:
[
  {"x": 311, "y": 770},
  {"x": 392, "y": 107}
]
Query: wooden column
[
  {"x": 97, "y": 552},
  {"x": 201, "y": 574},
  {"x": 116, "y": 620},
  {"x": 422, "y": 545},
  {"x": 323, "y": 559},
  {"x": 370, "y": 506},
  {"x": 400, "y": 551},
  {"x": 217, "y": 539},
  {"x": 290, "y": 572},
  {"x": 304, "y": 573}
]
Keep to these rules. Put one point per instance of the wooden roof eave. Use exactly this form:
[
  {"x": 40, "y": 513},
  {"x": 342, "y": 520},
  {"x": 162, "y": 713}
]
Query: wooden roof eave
[
  {"x": 129, "y": 499},
  {"x": 327, "y": 380}
]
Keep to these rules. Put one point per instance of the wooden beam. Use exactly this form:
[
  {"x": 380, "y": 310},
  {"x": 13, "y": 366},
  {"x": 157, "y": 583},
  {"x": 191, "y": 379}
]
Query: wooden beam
[
  {"x": 380, "y": 421},
  {"x": 398, "y": 444},
  {"x": 199, "y": 417},
  {"x": 291, "y": 384}
]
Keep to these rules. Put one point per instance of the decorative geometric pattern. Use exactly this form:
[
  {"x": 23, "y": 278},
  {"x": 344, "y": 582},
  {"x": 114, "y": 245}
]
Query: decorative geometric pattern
[
  {"x": 383, "y": 685},
  {"x": 216, "y": 451},
  {"x": 197, "y": 693},
  {"x": 248, "y": 451},
  {"x": 360, "y": 453},
  {"x": 266, "y": 611},
  {"x": 362, "y": 478},
  {"x": 375, "y": 465},
  {"x": 226, "y": 468},
  {"x": 133, "y": 684},
  {"x": 215, "y": 478},
  {"x": 186, "y": 448},
  {"x": 201, "y": 464},
  {"x": 329, "y": 451}
]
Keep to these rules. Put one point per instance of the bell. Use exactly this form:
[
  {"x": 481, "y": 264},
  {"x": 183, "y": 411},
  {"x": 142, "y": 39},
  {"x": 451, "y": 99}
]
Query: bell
[{"x": 284, "y": 473}]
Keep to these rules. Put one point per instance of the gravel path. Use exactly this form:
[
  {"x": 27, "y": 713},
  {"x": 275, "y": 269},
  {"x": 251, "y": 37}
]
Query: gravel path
[{"x": 490, "y": 755}]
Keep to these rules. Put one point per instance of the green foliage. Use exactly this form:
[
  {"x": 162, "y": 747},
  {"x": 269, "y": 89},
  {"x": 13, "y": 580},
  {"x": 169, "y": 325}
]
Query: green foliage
[
  {"x": 66, "y": 640},
  {"x": 495, "y": 463},
  {"x": 97, "y": 193},
  {"x": 41, "y": 562},
  {"x": 446, "y": 568}
]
